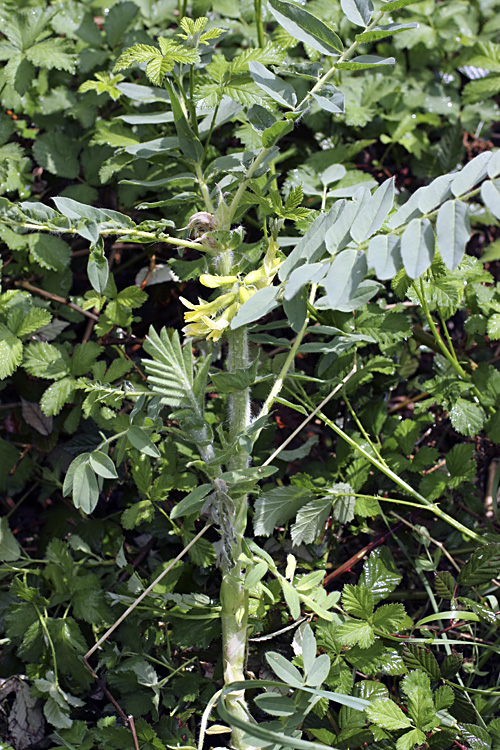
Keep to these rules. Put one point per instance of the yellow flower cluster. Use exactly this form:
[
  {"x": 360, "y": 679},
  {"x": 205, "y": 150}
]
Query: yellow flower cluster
[{"x": 210, "y": 319}]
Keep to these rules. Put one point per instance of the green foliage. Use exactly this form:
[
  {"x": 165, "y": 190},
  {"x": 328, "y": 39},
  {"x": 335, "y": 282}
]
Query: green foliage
[{"x": 306, "y": 177}]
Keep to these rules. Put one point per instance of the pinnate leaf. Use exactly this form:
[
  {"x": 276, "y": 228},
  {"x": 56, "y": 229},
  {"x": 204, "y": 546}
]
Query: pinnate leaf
[
  {"x": 357, "y": 600},
  {"x": 420, "y": 657}
]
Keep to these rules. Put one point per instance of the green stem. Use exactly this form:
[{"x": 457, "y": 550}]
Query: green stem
[
  {"x": 451, "y": 357},
  {"x": 278, "y": 383},
  {"x": 209, "y": 136},
  {"x": 204, "y": 189},
  {"x": 261, "y": 38},
  {"x": 432, "y": 507},
  {"x": 50, "y": 642},
  {"x": 108, "y": 232},
  {"x": 234, "y": 596}
]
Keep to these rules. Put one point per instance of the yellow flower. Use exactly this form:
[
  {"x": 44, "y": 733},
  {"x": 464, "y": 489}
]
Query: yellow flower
[{"x": 214, "y": 282}]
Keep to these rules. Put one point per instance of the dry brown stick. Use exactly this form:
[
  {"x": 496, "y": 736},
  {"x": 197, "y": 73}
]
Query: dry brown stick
[{"x": 55, "y": 298}]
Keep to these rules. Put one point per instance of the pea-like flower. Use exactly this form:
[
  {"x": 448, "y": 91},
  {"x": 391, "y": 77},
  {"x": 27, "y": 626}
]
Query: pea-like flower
[{"x": 210, "y": 319}]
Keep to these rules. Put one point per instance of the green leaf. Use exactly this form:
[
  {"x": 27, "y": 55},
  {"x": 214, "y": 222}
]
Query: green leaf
[
  {"x": 192, "y": 503},
  {"x": 453, "y": 232},
  {"x": 451, "y": 666},
  {"x": 29, "y": 322},
  {"x": 444, "y": 583},
  {"x": 358, "y": 601},
  {"x": 381, "y": 32},
  {"x": 355, "y": 631},
  {"x": 284, "y": 669},
  {"x": 97, "y": 267},
  {"x": 458, "y": 459},
  {"x": 374, "y": 213},
  {"x": 310, "y": 521},
  {"x": 57, "y": 153},
  {"x": 305, "y": 27},
  {"x": 10, "y": 549},
  {"x": 272, "y": 135},
  {"x": 386, "y": 714},
  {"x": 467, "y": 418},
  {"x": 53, "y": 53},
  {"x": 140, "y": 512},
  {"x": 11, "y": 352},
  {"x": 365, "y": 62},
  {"x": 44, "y": 360},
  {"x": 417, "y": 247},
  {"x": 85, "y": 488},
  {"x": 408, "y": 740},
  {"x": 190, "y": 144},
  {"x": 472, "y": 174},
  {"x": 493, "y": 327},
  {"x": 443, "y": 697},
  {"x": 275, "y": 704},
  {"x": 261, "y": 303},
  {"x": 102, "y": 465},
  {"x": 359, "y": 12},
  {"x": 319, "y": 671},
  {"x": 345, "y": 274},
  {"x": 57, "y": 395},
  {"x": 291, "y": 598},
  {"x": 139, "y": 438},
  {"x": 391, "y": 5},
  {"x": 273, "y": 86},
  {"x": 276, "y": 506},
  {"x": 331, "y": 99},
  {"x": 117, "y": 20},
  {"x": 50, "y": 252},
  {"x": 389, "y": 618},
  {"x": 482, "y": 566},
  {"x": 384, "y": 256},
  {"x": 420, "y": 657}
]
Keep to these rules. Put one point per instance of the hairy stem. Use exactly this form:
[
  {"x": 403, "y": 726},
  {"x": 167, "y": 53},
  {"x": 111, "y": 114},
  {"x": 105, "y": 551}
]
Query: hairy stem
[{"x": 234, "y": 597}]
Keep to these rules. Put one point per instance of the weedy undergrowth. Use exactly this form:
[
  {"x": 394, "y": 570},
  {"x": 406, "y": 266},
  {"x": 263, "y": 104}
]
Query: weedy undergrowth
[{"x": 193, "y": 415}]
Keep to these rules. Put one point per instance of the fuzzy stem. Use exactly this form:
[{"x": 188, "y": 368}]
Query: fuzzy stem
[{"x": 234, "y": 597}]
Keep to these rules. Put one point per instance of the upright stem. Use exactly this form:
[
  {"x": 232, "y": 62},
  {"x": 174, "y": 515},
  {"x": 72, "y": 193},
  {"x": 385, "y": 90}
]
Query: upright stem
[
  {"x": 234, "y": 597},
  {"x": 260, "y": 23}
]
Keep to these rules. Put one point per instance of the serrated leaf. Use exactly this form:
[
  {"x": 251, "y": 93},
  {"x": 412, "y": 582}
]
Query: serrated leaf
[
  {"x": 381, "y": 32},
  {"x": 451, "y": 665},
  {"x": 443, "y": 697},
  {"x": 26, "y": 323},
  {"x": 380, "y": 574},
  {"x": 420, "y": 657},
  {"x": 273, "y": 134},
  {"x": 50, "y": 252},
  {"x": 33, "y": 415},
  {"x": 358, "y": 12},
  {"x": 355, "y": 631},
  {"x": 385, "y": 713},
  {"x": 11, "y": 352},
  {"x": 482, "y": 566},
  {"x": 276, "y": 506},
  {"x": 389, "y": 618},
  {"x": 444, "y": 583},
  {"x": 57, "y": 395},
  {"x": 305, "y": 27},
  {"x": 417, "y": 247},
  {"x": 467, "y": 418},
  {"x": 358, "y": 601},
  {"x": 408, "y": 740},
  {"x": 310, "y": 521},
  {"x": 57, "y": 153},
  {"x": 10, "y": 549},
  {"x": 140, "y": 512}
]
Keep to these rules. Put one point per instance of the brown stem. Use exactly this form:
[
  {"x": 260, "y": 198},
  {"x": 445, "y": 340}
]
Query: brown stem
[{"x": 55, "y": 298}]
